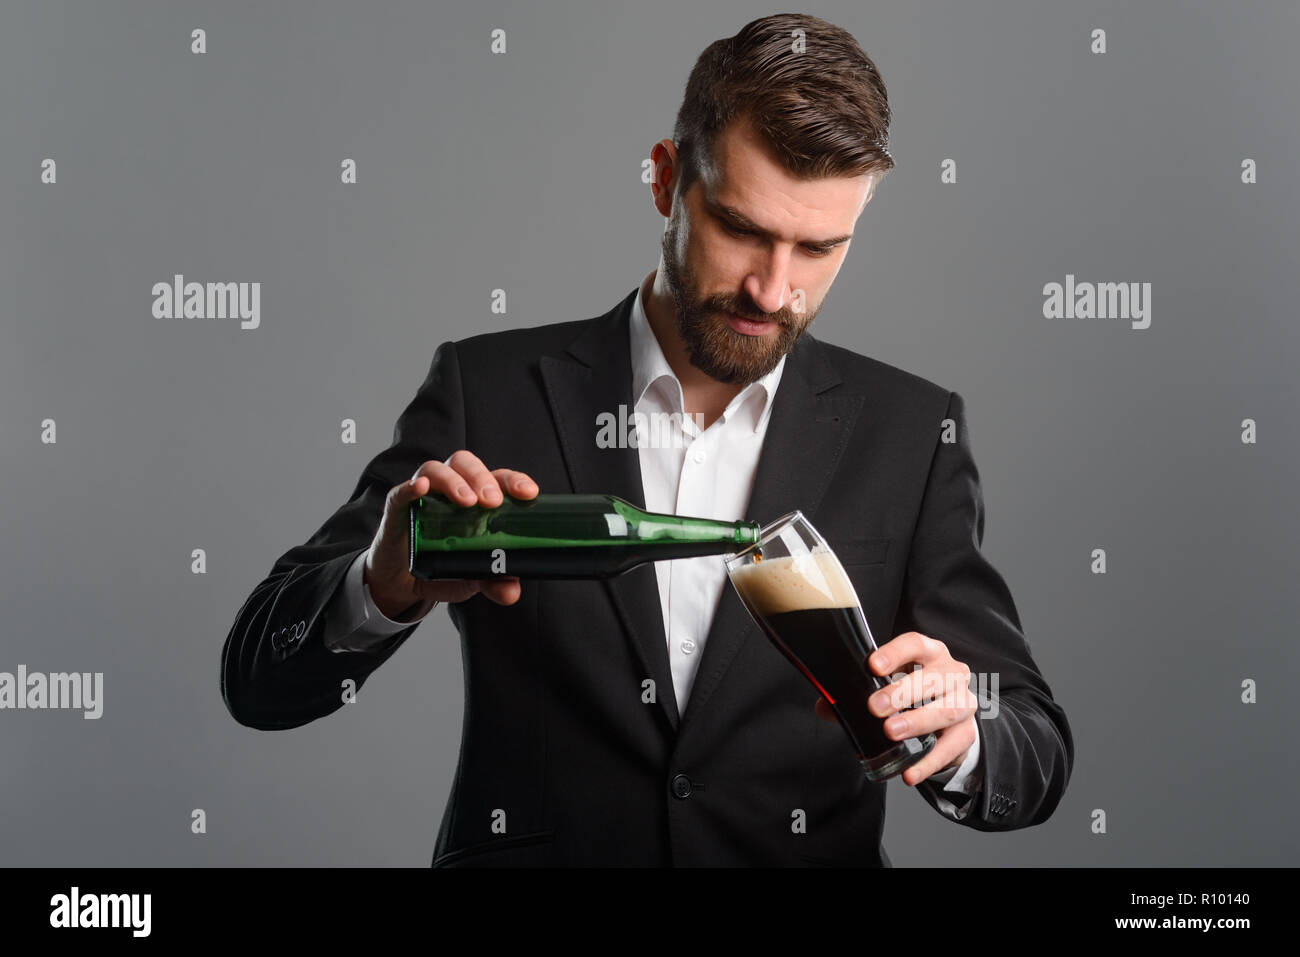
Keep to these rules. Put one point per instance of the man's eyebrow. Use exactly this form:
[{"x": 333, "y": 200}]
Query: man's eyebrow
[{"x": 737, "y": 218}]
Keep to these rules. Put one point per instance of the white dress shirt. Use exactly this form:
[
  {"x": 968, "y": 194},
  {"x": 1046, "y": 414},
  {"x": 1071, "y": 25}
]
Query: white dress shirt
[{"x": 706, "y": 473}]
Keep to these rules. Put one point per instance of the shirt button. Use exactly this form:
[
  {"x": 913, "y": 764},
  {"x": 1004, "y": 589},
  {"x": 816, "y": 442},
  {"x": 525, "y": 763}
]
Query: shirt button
[
  {"x": 688, "y": 647},
  {"x": 698, "y": 455}
]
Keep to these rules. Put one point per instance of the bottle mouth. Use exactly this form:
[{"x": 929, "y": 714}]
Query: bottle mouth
[{"x": 765, "y": 534}]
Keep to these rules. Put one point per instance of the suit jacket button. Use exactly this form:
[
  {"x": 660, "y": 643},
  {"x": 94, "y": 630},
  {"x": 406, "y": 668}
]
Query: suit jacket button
[{"x": 681, "y": 787}]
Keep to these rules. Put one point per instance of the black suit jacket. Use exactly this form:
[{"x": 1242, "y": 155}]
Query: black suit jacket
[{"x": 556, "y": 732}]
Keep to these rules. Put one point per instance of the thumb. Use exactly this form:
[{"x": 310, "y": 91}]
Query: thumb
[{"x": 391, "y": 541}]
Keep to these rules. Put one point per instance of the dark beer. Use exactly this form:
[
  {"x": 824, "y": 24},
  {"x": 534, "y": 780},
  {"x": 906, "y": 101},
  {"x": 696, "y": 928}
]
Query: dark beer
[{"x": 807, "y": 607}]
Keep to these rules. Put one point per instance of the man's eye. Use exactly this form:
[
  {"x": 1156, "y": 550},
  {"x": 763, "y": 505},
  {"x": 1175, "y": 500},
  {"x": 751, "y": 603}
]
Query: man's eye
[{"x": 817, "y": 251}]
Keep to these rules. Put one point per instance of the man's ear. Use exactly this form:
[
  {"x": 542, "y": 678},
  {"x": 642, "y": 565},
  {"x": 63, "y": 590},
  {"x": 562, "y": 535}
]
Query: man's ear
[{"x": 666, "y": 172}]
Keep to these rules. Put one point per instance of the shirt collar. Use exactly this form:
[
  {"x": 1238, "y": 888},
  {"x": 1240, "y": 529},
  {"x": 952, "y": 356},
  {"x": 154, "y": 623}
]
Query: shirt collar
[{"x": 649, "y": 367}]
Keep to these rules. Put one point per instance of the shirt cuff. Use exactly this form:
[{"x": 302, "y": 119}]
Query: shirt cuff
[
  {"x": 961, "y": 779},
  {"x": 355, "y": 623}
]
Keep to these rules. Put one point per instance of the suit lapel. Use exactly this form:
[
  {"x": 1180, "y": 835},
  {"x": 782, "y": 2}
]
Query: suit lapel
[
  {"x": 805, "y": 438},
  {"x": 594, "y": 376}
]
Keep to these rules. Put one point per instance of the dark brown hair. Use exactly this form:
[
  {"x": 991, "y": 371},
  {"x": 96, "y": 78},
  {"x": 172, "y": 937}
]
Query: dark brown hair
[{"x": 824, "y": 111}]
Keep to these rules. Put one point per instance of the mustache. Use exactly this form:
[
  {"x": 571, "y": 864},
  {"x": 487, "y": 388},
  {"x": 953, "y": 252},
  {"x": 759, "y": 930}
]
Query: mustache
[{"x": 782, "y": 318}]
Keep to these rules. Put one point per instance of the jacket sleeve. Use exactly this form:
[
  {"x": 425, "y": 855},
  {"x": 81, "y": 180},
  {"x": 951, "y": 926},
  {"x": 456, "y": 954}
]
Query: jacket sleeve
[
  {"x": 276, "y": 671},
  {"x": 951, "y": 592}
]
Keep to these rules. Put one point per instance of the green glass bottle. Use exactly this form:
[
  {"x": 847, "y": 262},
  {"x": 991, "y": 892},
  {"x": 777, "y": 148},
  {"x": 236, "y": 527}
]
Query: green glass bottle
[{"x": 558, "y": 536}]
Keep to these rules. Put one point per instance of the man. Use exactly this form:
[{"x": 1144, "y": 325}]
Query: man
[{"x": 645, "y": 719}]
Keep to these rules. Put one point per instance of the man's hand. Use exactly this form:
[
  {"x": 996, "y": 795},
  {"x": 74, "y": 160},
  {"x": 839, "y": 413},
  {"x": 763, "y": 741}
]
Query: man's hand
[
  {"x": 466, "y": 481},
  {"x": 939, "y": 689}
]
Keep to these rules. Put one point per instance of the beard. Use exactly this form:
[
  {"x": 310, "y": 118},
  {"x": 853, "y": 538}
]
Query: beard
[{"x": 712, "y": 346}]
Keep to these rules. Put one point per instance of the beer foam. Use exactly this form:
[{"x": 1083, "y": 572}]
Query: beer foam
[{"x": 795, "y": 583}]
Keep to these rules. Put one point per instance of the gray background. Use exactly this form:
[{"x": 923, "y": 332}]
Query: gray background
[{"x": 522, "y": 171}]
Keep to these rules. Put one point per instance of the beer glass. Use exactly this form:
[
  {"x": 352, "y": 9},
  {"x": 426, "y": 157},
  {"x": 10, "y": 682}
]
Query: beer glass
[{"x": 797, "y": 591}]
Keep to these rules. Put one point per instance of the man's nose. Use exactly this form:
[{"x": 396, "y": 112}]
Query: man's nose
[{"x": 768, "y": 286}]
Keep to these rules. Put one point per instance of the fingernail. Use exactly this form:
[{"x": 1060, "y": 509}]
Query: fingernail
[{"x": 896, "y": 725}]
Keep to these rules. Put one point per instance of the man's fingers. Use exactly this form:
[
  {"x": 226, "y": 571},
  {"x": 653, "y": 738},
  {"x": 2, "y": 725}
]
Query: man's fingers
[
  {"x": 915, "y": 686},
  {"x": 476, "y": 474},
  {"x": 440, "y": 478},
  {"x": 395, "y": 512},
  {"x": 503, "y": 591},
  {"x": 903, "y": 650},
  {"x": 951, "y": 744},
  {"x": 465, "y": 480},
  {"x": 446, "y": 590},
  {"x": 516, "y": 483},
  {"x": 944, "y": 712}
]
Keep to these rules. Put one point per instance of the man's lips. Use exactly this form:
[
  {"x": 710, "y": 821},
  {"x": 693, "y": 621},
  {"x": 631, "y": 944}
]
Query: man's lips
[{"x": 749, "y": 327}]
